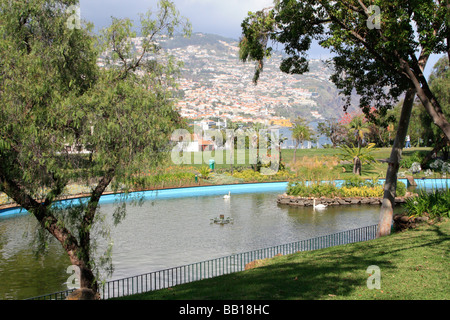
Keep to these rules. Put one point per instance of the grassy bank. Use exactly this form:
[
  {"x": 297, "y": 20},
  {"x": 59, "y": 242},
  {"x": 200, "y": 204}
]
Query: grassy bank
[{"x": 414, "y": 265}]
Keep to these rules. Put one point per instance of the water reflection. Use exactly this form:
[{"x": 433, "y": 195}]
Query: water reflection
[
  {"x": 22, "y": 273},
  {"x": 172, "y": 232}
]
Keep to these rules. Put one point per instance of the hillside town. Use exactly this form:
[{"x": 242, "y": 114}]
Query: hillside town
[{"x": 216, "y": 85}]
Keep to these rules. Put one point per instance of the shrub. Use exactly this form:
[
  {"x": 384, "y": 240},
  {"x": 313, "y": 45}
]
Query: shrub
[
  {"x": 164, "y": 177},
  {"x": 204, "y": 171},
  {"x": 434, "y": 204},
  {"x": 408, "y": 162},
  {"x": 354, "y": 181},
  {"x": 353, "y": 187},
  {"x": 308, "y": 189},
  {"x": 401, "y": 189},
  {"x": 365, "y": 191},
  {"x": 415, "y": 168},
  {"x": 250, "y": 175},
  {"x": 440, "y": 166},
  {"x": 357, "y": 182}
]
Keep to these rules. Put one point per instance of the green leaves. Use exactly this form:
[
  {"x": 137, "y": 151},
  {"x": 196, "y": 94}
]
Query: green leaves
[
  {"x": 368, "y": 59},
  {"x": 43, "y": 68},
  {"x": 125, "y": 54},
  {"x": 301, "y": 131},
  {"x": 257, "y": 29},
  {"x": 433, "y": 204},
  {"x": 358, "y": 155},
  {"x": 365, "y": 154},
  {"x": 53, "y": 97}
]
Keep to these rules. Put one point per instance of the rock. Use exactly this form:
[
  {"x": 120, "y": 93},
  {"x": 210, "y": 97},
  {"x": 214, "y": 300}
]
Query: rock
[
  {"x": 402, "y": 222},
  {"x": 422, "y": 219},
  {"x": 302, "y": 201},
  {"x": 410, "y": 181},
  {"x": 83, "y": 294},
  {"x": 375, "y": 201},
  {"x": 399, "y": 200},
  {"x": 284, "y": 201},
  {"x": 402, "y": 218}
]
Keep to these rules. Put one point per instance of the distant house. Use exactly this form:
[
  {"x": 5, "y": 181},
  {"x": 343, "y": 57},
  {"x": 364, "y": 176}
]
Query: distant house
[
  {"x": 206, "y": 145},
  {"x": 207, "y": 124},
  {"x": 316, "y": 115},
  {"x": 197, "y": 144}
]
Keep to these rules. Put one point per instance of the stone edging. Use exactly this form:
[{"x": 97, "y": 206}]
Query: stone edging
[{"x": 285, "y": 199}]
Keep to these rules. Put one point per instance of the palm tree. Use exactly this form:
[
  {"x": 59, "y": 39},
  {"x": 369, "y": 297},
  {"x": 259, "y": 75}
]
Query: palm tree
[
  {"x": 281, "y": 140},
  {"x": 358, "y": 156},
  {"x": 301, "y": 132},
  {"x": 359, "y": 127}
]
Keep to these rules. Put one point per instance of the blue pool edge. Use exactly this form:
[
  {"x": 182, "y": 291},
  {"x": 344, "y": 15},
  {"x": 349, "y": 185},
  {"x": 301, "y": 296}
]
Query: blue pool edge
[
  {"x": 192, "y": 191},
  {"x": 171, "y": 193}
]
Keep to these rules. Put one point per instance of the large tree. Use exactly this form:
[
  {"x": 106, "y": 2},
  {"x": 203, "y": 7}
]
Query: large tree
[
  {"x": 333, "y": 130},
  {"x": 380, "y": 51},
  {"x": 53, "y": 95},
  {"x": 440, "y": 85}
]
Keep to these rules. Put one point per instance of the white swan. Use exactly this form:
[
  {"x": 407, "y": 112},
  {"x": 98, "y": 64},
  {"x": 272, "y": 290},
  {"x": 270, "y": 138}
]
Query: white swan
[
  {"x": 227, "y": 196},
  {"x": 319, "y": 206}
]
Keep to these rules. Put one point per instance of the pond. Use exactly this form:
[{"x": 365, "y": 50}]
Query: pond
[{"x": 172, "y": 229}]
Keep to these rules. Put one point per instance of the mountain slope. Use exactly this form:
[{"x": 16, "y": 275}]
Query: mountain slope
[{"x": 215, "y": 83}]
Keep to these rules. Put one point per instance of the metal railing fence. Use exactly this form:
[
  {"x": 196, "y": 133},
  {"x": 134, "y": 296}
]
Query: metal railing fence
[{"x": 170, "y": 277}]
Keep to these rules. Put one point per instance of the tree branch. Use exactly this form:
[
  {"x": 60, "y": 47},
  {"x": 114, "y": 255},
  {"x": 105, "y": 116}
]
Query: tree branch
[
  {"x": 96, "y": 194},
  {"x": 41, "y": 210}
]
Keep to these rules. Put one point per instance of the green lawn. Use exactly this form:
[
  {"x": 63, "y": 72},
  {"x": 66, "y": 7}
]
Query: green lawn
[
  {"x": 414, "y": 265},
  {"x": 320, "y": 168},
  {"x": 372, "y": 170},
  {"x": 368, "y": 170}
]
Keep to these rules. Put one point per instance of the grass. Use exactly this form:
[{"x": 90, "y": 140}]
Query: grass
[
  {"x": 325, "y": 155},
  {"x": 414, "y": 266},
  {"x": 311, "y": 164}
]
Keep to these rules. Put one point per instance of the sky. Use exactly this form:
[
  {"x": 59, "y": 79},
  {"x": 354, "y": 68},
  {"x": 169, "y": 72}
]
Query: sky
[{"x": 221, "y": 17}]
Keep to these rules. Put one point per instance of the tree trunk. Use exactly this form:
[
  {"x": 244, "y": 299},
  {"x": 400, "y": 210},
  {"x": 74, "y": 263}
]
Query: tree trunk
[
  {"x": 356, "y": 166},
  {"x": 78, "y": 252},
  {"x": 295, "y": 150},
  {"x": 82, "y": 258},
  {"x": 87, "y": 278},
  {"x": 425, "y": 95},
  {"x": 437, "y": 115},
  {"x": 390, "y": 186}
]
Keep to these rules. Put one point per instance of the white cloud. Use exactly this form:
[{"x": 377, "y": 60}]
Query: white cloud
[{"x": 222, "y": 17}]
